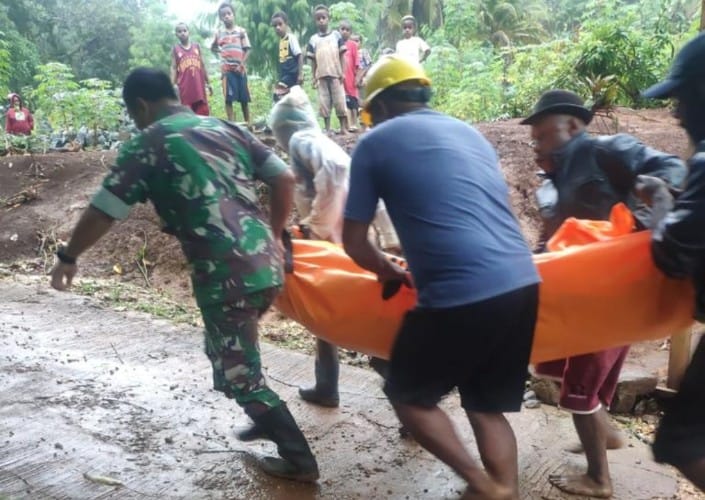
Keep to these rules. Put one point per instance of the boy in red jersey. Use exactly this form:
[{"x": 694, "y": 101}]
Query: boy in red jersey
[{"x": 188, "y": 72}]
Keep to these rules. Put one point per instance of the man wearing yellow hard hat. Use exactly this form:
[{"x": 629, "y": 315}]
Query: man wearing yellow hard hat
[{"x": 477, "y": 285}]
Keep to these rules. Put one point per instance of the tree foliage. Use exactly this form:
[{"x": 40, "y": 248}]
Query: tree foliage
[
  {"x": 4, "y": 64},
  {"x": 634, "y": 58},
  {"x": 506, "y": 22},
  {"x": 65, "y": 103},
  {"x": 490, "y": 58},
  {"x": 153, "y": 39},
  {"x": 93, "y": 37}
]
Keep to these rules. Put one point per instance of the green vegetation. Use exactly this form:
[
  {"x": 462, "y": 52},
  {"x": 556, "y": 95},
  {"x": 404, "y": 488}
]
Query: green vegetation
[
  {"x": 123, "y": 296},
  {"x": 490, "y": 58},
  {"x": 64, "y": 102}
]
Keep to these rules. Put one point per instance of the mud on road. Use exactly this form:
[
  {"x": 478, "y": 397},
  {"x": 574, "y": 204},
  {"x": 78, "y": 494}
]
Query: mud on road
[{"x": 90, "y": 393}]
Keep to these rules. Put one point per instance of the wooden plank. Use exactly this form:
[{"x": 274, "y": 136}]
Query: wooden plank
[{"x": 678, "y": 358}]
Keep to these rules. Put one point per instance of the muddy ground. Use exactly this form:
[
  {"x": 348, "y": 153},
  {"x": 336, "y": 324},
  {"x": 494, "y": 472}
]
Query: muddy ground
[
  {"x": 42, "y": 196},
  {"x": 91, "y": 395},
  {"x": 136, "y": 267}
]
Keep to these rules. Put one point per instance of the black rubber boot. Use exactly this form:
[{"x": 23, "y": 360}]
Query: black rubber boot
[
  {"x": 296, "y": 462},
  {"x": 251, "y": 433},
  {"x": 325, "y": 392}
]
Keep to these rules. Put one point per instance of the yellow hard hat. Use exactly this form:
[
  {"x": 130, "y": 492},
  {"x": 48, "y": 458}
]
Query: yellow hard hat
[{"x": 388, "y": 71}]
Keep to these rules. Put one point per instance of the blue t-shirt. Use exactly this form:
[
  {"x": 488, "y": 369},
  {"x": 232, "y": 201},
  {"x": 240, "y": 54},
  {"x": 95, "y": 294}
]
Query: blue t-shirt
[{"x": 449, "y": 203}]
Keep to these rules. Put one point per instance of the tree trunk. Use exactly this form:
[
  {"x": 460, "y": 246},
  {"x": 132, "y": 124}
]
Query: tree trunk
[{"x": 428, "y": 12}]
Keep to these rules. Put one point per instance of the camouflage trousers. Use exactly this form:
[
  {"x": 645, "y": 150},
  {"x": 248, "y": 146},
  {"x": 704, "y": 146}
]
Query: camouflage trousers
[{"x": 232, "y": 345}]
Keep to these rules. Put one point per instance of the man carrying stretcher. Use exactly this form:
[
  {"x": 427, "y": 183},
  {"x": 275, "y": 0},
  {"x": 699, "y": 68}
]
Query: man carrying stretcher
[
  {"x": 584, "y": 177},
  {"x": 477, "y": 285}
]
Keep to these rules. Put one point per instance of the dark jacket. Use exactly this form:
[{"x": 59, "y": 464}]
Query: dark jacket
[
  {"x": 678, "y": 243},
  {"x": 592, "y": 174}
]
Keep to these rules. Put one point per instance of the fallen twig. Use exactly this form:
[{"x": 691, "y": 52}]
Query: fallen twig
[
  {"x": 117, "y": 353},
  {"x": 141, "y": 261},
  {"x": 202, "y": 452},
  {"x": 108, "y": 481},
  {"x": 281, "y": 381}
]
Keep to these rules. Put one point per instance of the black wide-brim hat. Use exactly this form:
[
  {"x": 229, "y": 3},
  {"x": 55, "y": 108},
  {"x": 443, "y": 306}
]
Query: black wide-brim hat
[{"x": 559, "y": 102}]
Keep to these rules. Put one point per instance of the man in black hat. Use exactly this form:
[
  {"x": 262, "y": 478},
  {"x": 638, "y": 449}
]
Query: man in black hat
[
  {"x": 678, "y": 247},
  {"x": 585, "y": 177}
]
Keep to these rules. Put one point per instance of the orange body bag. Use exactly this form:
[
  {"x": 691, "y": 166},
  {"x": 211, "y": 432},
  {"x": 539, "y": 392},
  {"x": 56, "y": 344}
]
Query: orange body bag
[{"x": 600, "y": 289}]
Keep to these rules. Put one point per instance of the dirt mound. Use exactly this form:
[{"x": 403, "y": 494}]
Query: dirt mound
[
  {"x": 41, "y": 193},
  {"x": 41, "y": 198}
]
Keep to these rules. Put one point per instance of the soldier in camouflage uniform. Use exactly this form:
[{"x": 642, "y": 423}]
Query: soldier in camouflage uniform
[{"x": 200, "y": 174}]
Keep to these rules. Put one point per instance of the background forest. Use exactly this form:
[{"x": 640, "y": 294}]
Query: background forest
[{"x": 490, "y": 58}]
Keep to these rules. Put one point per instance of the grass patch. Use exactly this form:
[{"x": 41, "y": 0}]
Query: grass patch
[{"x": 123, "y": 297}]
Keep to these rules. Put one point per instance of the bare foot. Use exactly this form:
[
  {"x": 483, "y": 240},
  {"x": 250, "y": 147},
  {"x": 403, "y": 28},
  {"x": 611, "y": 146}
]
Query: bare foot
[
  {"x": 581, "y": 484},
  {"x": 490, "y": 491},
  {"x": 615, "y": 441}
]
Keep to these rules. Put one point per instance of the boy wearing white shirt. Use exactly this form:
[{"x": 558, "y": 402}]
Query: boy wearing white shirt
[{"x": 411, "y": 46}]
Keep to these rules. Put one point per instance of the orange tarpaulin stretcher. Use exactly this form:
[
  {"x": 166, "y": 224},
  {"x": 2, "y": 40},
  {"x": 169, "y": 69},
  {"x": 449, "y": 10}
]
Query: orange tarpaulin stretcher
[{"x": 594, "y": 296}]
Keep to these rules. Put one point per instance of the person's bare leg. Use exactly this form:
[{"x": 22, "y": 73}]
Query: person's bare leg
[
  {"x": 343, "y": 120},
  {"x": 246, "y": 112},
  {"x": 596, "y": 482},
  {"x": 326, "y": 123},
  {"x": 615, "y": 439},
  {"x": 695, "y": 472},
  {"x": 433, "y": 430},
  {"x": 498, "y": 448},
  {"x": 229, "y": 111}
]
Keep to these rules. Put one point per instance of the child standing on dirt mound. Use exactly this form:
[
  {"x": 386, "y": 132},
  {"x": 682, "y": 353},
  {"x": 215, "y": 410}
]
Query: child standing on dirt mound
[
  {"x": 326, "y": 50},
  {"x": 365, "y": 63},
  {"x": 188, "y": 72},
  {"x": 18, "y": 120},
  {"x": 233, "y": 46},
  {"x": 352, "y": 66},
  {"x": 291, "y": 58},
  {"x": 411, "y": 46},
  {"x": 322, "y": 170}
]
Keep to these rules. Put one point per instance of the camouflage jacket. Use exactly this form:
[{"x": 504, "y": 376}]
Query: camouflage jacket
[{"x": 199, "y": 173}]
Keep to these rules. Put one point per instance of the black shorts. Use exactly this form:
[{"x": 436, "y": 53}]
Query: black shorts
[
  {"x": 680, "y": 438},
  {"x": 481, "y": 348},
  {"x": 235, "y": 87},
  {"x": 351, "y": 102},
  {"x": 289, "y": 78}
]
